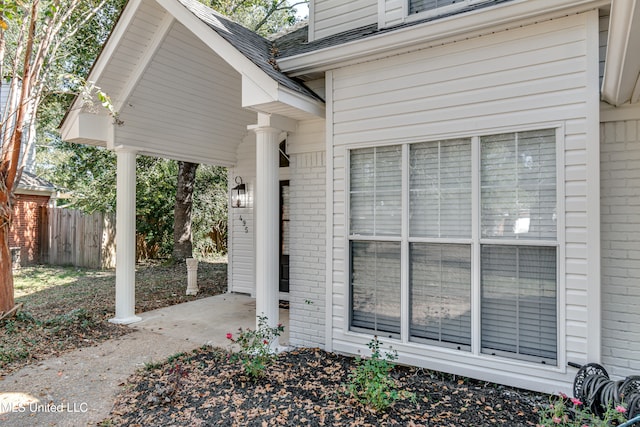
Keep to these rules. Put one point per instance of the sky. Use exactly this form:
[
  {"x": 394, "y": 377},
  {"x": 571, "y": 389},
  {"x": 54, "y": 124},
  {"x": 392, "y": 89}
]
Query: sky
[{"x": 302, "y": 10}]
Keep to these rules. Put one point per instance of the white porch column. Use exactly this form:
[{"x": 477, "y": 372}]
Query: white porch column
[
  {"x": 126, "y": 237},
  {"x": 267, "y": 205}
]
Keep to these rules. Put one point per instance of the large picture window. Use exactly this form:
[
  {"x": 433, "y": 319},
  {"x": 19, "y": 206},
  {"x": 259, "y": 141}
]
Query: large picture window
[{"x": 420, "y": 198}]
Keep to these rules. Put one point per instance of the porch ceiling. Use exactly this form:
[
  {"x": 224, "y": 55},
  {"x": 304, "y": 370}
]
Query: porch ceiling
[{"x": 181, "y": 89}]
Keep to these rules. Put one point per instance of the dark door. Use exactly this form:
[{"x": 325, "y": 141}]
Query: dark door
[{"x": 284, "y": 236}]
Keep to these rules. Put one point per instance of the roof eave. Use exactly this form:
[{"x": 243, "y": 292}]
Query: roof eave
[
  {"x": 98, "y": 67},
  {"x": 407, "y": 38}
]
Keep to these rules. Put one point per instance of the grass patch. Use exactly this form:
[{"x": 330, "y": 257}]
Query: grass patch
[{"x": 65, "y": 308}]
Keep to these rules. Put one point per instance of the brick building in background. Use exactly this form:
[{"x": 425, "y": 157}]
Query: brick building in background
[{"x": 32, "y": 194}]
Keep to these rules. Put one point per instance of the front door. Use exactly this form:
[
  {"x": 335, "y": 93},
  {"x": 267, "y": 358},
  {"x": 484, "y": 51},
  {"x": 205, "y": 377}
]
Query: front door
[{"x": 284, "y": 236}]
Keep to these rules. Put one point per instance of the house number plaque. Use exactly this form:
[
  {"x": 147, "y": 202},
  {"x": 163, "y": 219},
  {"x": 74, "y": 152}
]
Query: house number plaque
[{"x": 244, "y": 224}]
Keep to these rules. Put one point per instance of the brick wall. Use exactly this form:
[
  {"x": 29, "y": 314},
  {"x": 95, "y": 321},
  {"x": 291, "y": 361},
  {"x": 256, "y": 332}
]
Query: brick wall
[
  {"x": 307, "y": 250},
  {"x": 25, "y": 231},
  {"x": 620, "y": 234}
]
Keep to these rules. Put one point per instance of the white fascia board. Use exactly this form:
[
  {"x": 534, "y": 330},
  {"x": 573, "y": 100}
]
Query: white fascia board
[
  {"x": 221, "y": 47},
  {"x": 184, "y": 156},
  {"x": 254, "y": 93},
  {"x": 450, "y": 28},
  {"x": 81, "y": 126},
  {"x": 113, "y": 41},
  {"x": 276, "y": 121},
  {"x": 301, "y": 102},
  {"x": 622, "y": 65}
]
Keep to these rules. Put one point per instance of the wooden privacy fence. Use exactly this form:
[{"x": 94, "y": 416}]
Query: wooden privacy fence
[{"x": 69, "y": 237}]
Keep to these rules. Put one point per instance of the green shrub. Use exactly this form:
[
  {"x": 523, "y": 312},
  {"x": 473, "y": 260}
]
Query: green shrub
[
  {"x": 371, "y": 382},
  {"x": 565, "y": 412},
  {"x": 255, "y": 352}
]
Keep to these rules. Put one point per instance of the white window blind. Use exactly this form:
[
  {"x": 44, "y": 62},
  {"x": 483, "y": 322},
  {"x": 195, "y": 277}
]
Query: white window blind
[
  {"x": 375, "y": 287},
  {"x": 440, "y": 292},
  {"x": 519, "y": 301},
  {"x": 376, "y": 191},
  {"x": 516, "y": 238},
  {"x": 440, "y": 189},
  {"x": 416, "y": 6},
  {"x": 518, "y": 178}
]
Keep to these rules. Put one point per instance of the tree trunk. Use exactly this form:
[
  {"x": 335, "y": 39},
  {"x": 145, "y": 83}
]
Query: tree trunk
[
  {"x": 6, "y": 276},
  {"x": 182, "y": 245}
]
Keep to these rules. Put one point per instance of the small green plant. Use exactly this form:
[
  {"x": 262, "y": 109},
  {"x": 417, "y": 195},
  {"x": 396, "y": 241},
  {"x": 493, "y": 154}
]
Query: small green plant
[
  {"x": 152, "y": 366},
  {"x": 255, "y": 352},
  {"x": 371, "y": 383},
  {"x": 175, "y": 357},
  {"x": 563, "y": 411}
]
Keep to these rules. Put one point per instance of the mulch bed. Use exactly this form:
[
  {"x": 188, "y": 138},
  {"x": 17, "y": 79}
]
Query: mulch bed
[{"x": 306, "y": 387}]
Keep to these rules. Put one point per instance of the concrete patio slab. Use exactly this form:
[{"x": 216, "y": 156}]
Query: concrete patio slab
[{"x": 208, "y": 320}]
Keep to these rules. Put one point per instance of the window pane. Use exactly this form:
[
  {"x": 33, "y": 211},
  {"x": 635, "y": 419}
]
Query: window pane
[
  {"x": 375, "y": 287},
  {"x": 376, "y": 191},
  {"x": 518, "y": 286},
  {"x": 440, "y": 189},
  {"x": 416, "y": 6},
  {"x": 518, "y": 178},
  {"x": 440, "y": 283}
]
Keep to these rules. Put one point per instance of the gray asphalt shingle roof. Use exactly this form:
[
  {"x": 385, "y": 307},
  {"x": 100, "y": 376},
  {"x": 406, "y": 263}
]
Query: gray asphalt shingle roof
[
  {"x": 29, "y": 180},
  {"x": 296, "y": 43},
  {"x": 264, "y": 53}
]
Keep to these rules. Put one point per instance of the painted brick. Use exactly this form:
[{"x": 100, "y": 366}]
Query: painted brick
[
  {"x": 307, "y": 256},
  {"x": 620, "y": 235}
]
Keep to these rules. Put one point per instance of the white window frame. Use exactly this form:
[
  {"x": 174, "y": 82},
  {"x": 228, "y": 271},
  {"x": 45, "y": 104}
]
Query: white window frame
[{"x": 476, "y": 241}]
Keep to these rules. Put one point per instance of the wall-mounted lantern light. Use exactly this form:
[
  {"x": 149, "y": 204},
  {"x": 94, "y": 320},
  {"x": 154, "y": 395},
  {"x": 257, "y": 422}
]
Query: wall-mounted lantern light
[{"x": 239, "y": 194}]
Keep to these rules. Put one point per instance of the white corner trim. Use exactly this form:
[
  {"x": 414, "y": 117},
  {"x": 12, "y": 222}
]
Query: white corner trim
[
  {"x": 594, "y": 306},
  {"x": 329, "y": 213},
  {"x": 622, "y": 63}
]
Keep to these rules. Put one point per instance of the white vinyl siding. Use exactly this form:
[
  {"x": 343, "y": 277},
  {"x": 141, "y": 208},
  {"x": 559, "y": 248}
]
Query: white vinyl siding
[
  {"x": 203, "y": 96},
  {"x": 336, "y": 16},
  {"x": 537, "y": 76},
  {"x": 241, "y": 239}
]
